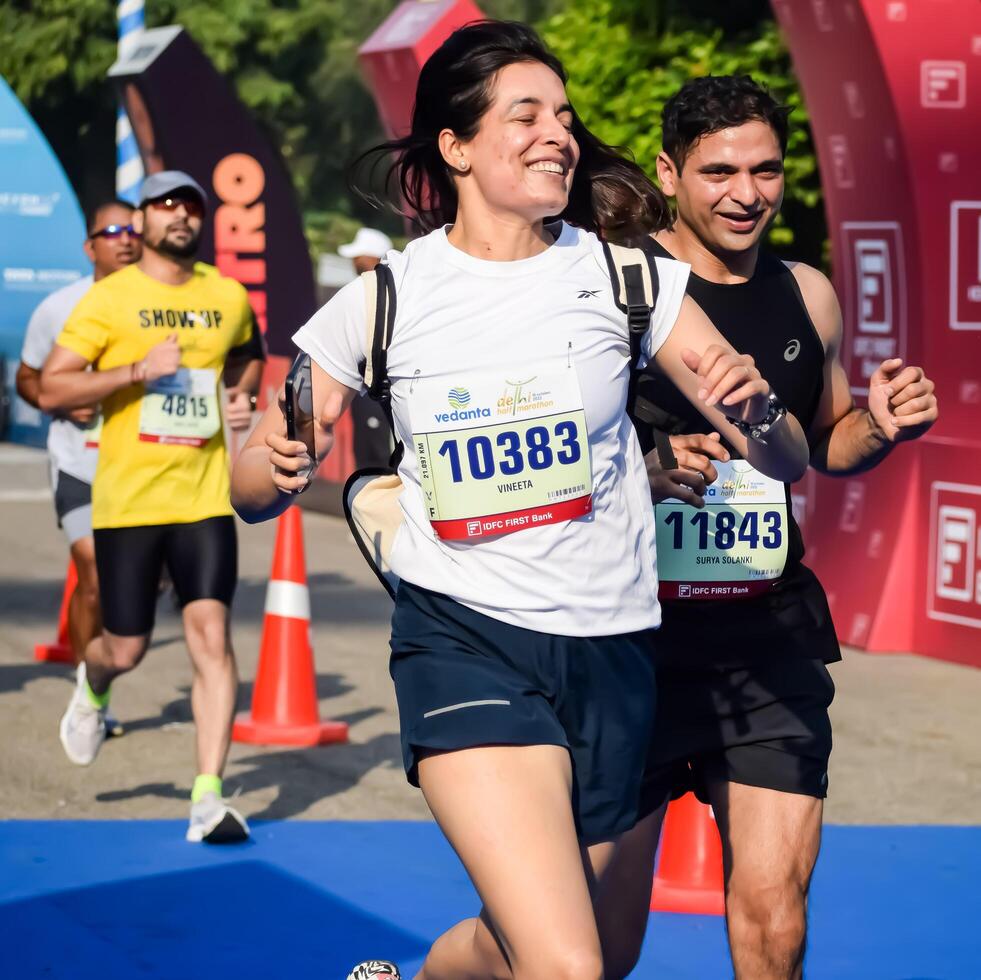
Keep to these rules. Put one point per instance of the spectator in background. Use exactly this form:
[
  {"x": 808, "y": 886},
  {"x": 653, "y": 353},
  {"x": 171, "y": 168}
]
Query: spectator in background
[
  {"x": 372, "y": 440},
  {"x": 367, "y": 250}
]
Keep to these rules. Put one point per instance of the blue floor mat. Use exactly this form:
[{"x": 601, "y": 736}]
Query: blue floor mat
[{"x": 131, "y": 899}]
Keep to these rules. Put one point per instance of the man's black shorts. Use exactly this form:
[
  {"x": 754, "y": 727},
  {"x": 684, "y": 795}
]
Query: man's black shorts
[
  {"x": 463, "y": 679},
  {"x": 202, "y": 558},
  {"x": 765, "y": 725}
]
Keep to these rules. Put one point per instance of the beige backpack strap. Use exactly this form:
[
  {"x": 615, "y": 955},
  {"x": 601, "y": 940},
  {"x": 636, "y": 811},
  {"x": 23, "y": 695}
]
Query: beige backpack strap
[{"x": 619, "y": 258}]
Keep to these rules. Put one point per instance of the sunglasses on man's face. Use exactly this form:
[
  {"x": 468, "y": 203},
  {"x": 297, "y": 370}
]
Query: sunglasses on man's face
[
  {"x": 115, "y": 231},
  {"x": 192, "y": 206}
]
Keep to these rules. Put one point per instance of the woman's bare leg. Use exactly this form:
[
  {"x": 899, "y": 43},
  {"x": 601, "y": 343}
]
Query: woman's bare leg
[{"x": 507, "y": 812}]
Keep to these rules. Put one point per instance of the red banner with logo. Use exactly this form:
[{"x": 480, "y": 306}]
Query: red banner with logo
[{"x": 893, "y": 88}]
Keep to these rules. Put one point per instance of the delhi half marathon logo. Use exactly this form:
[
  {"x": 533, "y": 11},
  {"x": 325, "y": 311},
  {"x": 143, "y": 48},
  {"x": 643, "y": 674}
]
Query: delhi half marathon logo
[{"x": 458, "y": 397}]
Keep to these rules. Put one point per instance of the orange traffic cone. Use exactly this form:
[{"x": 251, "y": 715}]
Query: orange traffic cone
[
  {"x": 61, "y": 650},
  {"x": 284, "y": 699},
  {"x": 689, "y": 870}
]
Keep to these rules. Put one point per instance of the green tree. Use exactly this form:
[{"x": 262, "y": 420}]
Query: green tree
[
  {"x": 625, "y": 58},
  {"x": 293, "y": 64}
]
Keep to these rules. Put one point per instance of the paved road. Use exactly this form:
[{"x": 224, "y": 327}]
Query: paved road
[{"x": 906, "y": 729}]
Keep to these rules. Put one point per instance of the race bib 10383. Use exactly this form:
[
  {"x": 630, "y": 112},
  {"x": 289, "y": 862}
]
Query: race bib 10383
[
  {"x": 181, "y": 409},
  {"x": 499, "y": 453},
  {"x": 733, "y": 548}
]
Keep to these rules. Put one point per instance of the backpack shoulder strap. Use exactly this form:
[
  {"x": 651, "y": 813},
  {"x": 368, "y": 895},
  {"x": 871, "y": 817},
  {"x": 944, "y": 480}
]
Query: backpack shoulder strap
[
  {"x": 633, "y": 274},
  {"x": 379, "y": 295}
]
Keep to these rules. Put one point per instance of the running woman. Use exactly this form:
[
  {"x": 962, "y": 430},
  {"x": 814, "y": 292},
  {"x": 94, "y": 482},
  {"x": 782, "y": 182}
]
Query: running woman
[
  {"x": 73, "y": 448},
  {"x": 158, "y": 336},
  {"x": 521, "y": 644},
  {"x": 745, "y": 723}
]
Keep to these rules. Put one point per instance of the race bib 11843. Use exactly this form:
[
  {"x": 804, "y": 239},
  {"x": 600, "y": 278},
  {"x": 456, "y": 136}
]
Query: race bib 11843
[
  {"x": 181, "y": 408},
  {"x": 734, "y": 547},
  {"x": 499, "y": 453}
]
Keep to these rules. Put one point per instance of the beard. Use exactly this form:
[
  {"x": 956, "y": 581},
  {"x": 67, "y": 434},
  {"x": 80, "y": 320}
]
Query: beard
[{"x": 176, "y": 250}]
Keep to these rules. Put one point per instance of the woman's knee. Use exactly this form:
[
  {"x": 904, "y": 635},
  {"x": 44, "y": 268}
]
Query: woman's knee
[{"x": 569, "y": 962}]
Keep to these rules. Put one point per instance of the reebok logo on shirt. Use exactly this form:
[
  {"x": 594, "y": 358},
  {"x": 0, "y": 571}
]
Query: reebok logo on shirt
[
  {"x": 187, "y": 319},
  {"x": 588, "y": 293}
]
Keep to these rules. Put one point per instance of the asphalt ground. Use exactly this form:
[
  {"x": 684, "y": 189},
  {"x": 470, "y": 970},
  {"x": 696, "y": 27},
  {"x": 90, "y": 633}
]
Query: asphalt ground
[{"x": 906, "y": 728}]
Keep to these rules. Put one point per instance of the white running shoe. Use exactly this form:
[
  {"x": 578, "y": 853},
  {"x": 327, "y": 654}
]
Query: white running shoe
[
  {"x": 213, "y": 821},
  {"x": 83, "y": 725},
  {"x": 375, "y": 970}
]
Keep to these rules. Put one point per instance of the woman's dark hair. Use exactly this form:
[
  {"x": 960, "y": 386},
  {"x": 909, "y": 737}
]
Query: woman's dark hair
[
  {"x": 610, "y": 194},
  {"x": 706, "y": 105}
]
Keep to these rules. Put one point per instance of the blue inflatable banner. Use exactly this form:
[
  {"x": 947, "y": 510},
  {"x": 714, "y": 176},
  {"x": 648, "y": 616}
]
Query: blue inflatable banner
[{"x": 41, "y": 236}]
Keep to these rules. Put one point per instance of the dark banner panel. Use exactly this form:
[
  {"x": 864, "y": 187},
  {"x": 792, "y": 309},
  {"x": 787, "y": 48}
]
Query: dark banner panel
[{"x": 185, "y": 116}]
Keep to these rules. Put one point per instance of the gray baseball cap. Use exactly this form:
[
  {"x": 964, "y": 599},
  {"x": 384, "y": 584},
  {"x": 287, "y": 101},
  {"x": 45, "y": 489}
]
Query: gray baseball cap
[{"x": 168, "y": 181}]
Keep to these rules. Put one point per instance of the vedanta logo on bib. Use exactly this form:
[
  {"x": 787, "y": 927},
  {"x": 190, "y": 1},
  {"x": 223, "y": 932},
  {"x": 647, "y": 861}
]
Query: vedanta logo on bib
[{"x": 458, "y": 397}]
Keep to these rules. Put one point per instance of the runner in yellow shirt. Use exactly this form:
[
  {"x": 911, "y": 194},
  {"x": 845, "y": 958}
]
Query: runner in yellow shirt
[{"x": 159, "y": 336}]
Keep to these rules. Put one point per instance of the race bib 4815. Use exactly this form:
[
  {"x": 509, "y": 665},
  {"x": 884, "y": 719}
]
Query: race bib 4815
[
  {"x": 499, "y": 453},
  {"x": 733, "y": 548},
  {"x": 181, "y": 409}
]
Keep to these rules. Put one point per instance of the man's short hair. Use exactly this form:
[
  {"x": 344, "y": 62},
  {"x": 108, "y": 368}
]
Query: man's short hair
[
  {"x": 92, "y": 214},
  {"x": 706, "y": 105}
]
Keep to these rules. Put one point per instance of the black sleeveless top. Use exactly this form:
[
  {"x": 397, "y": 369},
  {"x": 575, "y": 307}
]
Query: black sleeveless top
[{"x": 766, "y": 318}]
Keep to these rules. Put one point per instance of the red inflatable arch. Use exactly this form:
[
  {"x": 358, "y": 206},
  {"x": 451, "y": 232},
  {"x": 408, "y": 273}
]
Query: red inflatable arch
[{"x": 893, "y": 88}]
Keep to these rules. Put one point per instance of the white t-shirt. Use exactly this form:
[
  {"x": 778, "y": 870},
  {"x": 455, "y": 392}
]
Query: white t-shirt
[
  {"x": 456, "y": 315},
  {"x": 66, "y": 440}
]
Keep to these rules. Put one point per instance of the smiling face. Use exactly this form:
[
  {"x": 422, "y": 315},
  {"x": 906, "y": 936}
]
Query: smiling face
[
  {"x": 730, "y": 187},
  {"x": 523, "y": 157}
]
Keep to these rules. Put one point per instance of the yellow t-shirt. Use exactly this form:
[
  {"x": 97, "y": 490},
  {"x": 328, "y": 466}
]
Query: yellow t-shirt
[{"x": 142, "y": 478}]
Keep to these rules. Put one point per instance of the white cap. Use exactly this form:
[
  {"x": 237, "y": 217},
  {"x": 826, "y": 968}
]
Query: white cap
[{"x": 367, "y": 241}]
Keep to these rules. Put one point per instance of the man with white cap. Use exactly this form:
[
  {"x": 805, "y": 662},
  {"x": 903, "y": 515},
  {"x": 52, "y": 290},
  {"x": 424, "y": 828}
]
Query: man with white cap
[
  {"x": 372, "y": 442},
  {"x": 369, "y": 247},
  {"x": 158, "y": 335}
]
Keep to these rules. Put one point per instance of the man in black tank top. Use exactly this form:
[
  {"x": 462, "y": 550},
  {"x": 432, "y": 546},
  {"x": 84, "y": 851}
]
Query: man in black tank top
[{"x": 743, "y": 690}]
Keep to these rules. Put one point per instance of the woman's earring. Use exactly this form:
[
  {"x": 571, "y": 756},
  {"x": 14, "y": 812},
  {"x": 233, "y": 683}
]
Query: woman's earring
[{"x": 464, "y": 165}]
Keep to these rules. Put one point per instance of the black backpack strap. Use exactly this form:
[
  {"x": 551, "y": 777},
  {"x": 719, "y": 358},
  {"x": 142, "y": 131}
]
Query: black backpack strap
[
  {"x": 380, "y": 307},
  {"x": 633, "y": 274}
]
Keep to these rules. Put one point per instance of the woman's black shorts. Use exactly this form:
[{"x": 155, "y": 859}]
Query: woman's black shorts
[
  {"x": 463, "y": 679},
  {"x": 202, "y": 558}
]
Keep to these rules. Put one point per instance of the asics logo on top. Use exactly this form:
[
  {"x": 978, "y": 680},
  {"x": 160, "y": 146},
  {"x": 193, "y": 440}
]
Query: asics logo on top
[
  {"x": 792, "y": 350},
  {"x": 588, "y": 293}
]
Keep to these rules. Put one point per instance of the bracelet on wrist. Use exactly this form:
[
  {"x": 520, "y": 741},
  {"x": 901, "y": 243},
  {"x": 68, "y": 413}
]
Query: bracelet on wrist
[{"x": 776, "y": 410}]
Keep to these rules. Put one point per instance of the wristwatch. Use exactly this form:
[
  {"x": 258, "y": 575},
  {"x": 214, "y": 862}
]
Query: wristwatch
[
  {"x": 775, "y": 411},
  {"x": 253, "y": 401}
]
